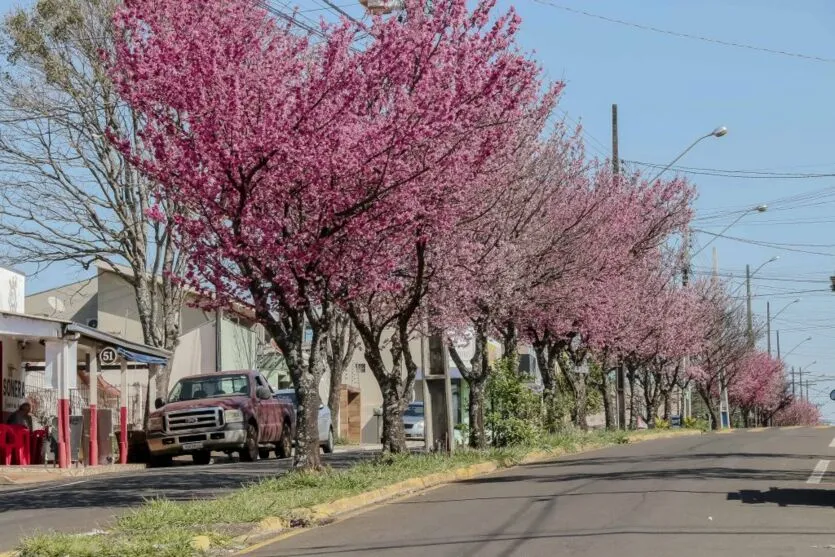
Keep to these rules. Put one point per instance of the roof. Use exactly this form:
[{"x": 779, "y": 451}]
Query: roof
[
  {"x": 21, "y": 324},
  {"x": 115, "y": 341}
]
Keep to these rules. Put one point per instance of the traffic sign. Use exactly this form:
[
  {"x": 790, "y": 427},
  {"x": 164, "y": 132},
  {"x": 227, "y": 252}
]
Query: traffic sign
[
  {"x": 832, "y": 395},
  {"x": 108, "y": 356}
]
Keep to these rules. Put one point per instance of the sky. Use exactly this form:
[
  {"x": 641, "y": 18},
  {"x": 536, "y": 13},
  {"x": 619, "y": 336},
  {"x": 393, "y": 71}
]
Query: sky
[{"x": 671, "y": 90}]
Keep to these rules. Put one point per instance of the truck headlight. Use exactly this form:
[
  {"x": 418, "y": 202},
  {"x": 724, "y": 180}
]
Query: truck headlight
[
  {"x": 155, "y": 423},
  {"x": 233, "y": 416}
]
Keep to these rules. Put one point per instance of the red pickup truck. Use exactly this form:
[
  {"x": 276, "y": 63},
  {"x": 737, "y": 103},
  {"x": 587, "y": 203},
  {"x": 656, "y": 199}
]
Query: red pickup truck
[{"x": 231, "y": 411}]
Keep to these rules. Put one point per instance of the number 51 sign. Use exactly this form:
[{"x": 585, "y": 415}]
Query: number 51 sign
[{"x": 108, "y": 356}]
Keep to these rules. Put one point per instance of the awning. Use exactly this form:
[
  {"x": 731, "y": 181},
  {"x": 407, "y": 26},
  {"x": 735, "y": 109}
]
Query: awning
[{"x": 141, "y": 358}]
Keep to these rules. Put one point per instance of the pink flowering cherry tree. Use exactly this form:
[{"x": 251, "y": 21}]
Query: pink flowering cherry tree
[{"x": 313, "y": 173}]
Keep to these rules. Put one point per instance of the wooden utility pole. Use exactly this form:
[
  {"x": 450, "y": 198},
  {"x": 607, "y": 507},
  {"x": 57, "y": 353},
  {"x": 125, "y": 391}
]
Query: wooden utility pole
[{"x": 621, "y": 376}]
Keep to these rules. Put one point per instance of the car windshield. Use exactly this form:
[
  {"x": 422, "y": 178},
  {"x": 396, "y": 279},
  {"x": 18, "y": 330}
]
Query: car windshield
[
  {"x": 414, "y": 410},
  {"x": 197, "y": 388}
]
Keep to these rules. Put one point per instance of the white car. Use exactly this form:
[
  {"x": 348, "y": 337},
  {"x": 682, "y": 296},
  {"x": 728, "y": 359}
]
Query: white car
[{"x": 326, "y": 436}]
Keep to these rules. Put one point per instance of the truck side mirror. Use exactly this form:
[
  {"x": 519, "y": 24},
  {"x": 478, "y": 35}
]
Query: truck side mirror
[
  {"x": 263, "y": 393},
  {"x": 159, "y": 403}
]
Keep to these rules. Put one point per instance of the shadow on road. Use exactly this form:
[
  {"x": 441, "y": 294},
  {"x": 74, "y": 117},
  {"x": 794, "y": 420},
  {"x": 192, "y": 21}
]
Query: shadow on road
[
  {"x": 641, "y": 473},
  {"x": 786, "y": 497},
  {"x": 178, "y": 483}
]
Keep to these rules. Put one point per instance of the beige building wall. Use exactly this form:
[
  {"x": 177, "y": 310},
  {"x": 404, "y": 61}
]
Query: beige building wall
[{"x": 75, "y": 302}]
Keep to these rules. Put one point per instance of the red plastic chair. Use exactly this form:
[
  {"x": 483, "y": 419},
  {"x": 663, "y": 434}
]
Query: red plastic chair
[
  {"x": 36, "y": 441},
  {"x": 6, "y": 444},
  {"x": 19, "y": 444}
]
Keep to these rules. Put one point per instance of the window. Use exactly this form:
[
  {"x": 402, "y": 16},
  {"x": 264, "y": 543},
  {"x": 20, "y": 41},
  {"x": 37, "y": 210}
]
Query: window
[
  {"x": 359, "y": 368},
  {"x": 197, "y": 388}
]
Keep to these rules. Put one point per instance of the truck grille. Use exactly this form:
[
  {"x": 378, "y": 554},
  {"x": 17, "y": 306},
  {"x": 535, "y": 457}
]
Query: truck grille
[{"x": 189, "y": 420}]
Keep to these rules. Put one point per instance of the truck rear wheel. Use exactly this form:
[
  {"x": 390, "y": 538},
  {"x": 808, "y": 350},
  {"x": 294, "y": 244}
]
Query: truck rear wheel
[
  {"x": 284, "y": 449},
  {"x": 250, "y": 451}
]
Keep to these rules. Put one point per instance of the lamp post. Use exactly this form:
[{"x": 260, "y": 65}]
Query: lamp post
[
  {"x": 748, "y": 275},
  {"x": 758, "y": 209},
  {"x": 718, "y": 132},
  {"x": 776, "y": 315},
  {"x": 805, "y": 340}
]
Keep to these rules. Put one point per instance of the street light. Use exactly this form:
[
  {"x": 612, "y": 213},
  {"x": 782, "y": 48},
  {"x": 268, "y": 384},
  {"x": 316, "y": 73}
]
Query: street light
[
  {"x": 807, "y": 339},
  {"x": 768, "y": 319},
  {"x": 718, "y": 132},
  {"x": 758, "y": 209}
]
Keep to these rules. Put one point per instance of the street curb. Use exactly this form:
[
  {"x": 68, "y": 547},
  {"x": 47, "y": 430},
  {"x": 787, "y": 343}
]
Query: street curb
[
  {"x": 327, "y": 512},
  {"x": 25, "y": 476}
]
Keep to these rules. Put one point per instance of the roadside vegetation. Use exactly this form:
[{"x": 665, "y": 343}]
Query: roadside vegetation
[{"x": 162, "y": 527}]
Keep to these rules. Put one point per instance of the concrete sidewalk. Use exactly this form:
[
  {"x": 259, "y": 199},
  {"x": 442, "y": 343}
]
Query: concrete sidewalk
[{"x": 20, "y": 475}]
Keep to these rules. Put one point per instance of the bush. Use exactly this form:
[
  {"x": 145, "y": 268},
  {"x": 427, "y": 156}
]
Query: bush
[
  {"x": 661, "y": 423},
  {"x": 515, "y": 411},
  {"x": 696, "y": 423}
]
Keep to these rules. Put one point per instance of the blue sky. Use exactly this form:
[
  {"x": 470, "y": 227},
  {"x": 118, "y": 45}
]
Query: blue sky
[{"x": 671, "y": 90}]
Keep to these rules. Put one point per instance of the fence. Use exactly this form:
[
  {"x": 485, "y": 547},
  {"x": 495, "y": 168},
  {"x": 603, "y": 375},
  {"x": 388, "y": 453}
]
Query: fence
[{"x": 44, "y": 401}]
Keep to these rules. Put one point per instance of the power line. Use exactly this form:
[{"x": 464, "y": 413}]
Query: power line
[
  {"x": 739, "y": 174},
  {"x": 690, "y": 36},
  {"x": 764, "y": 244}
]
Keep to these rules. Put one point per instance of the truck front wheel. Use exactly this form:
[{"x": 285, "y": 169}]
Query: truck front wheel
[
  {"x": 284, "y": 449},
  {"x": 250, "y": 451},
  {"x": 202, "y": 457}
]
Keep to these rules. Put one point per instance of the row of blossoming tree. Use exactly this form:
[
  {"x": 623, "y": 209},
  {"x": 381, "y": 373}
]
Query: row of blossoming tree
[{"x": 409, "y": 170}]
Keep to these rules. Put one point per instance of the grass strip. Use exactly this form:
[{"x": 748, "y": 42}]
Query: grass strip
[{"x": 165, "y": 528}]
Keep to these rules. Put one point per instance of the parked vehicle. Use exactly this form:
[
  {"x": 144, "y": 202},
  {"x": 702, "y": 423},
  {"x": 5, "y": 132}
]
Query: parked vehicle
[
  {"x": 229, "y": 412},
  {"x": 413, "y": 421},
  {"x": 326, "y": 436}
]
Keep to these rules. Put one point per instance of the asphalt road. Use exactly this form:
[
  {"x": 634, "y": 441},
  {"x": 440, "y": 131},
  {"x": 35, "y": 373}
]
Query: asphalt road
[
  {"x": 740, "y": 494},
  {"x": 82, "y": 505}
]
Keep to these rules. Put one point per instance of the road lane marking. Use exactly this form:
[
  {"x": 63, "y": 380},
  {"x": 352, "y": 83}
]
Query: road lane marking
[
  {"x": 818, "y": 472},
  {"x": 832, "y": 444}
]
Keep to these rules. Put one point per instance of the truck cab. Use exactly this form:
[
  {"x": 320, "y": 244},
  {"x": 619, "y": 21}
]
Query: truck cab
[{"x": 231, "y": 412}]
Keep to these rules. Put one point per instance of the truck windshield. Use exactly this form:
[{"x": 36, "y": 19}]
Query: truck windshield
[{"x": 208, "y": 387}]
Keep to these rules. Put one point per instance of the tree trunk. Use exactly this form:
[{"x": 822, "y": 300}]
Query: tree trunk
[
  {"x": 307, "y": 424},
  {"x": 668, "y": 405},
  {"x": 334, "y": 394},
  {"x": 476, "y": 377},
  {"x": 633, "y": 400},
  {"x": 608, "y": 405},
  {"x": 394, "y": 435},
  {"x": 546, "y": 356},
  {"x": 704, "y": 393},
  {"x": 510, "y": 345},
  {"x": 305, "y": 371},
  {"x": 339, "y": 349},
  {"x": 581, "y": 402},
  {"x": 478, "y": 437}
]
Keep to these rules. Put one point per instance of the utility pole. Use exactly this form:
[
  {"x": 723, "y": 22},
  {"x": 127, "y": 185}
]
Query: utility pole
[
  {"x": 724, "y": 407},
  {"x": 800, "y": 370},
  {"x": 793, "y": 389},
  {"x": 807, "y": 389},
  {"x": 748, "y": 301},
  {"x": 778, "y": 344},
  {"x": 621, "y": 376},
  {"x": 768, "y": 324}
]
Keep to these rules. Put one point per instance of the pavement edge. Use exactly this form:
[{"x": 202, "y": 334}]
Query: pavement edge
[{"x": 274, "y": 529}]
